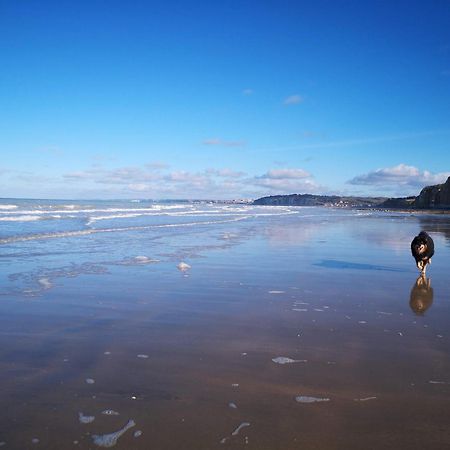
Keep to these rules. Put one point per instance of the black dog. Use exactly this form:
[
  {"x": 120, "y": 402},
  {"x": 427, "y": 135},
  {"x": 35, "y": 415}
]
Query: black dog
[{"x": 422, "y": 248}]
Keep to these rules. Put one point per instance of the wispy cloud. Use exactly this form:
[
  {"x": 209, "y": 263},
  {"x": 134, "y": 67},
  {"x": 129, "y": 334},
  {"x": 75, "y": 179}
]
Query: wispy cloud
[
  {"x": 157, "y": 165},
  {"x": 293, "y": 99},
  {"x": 401, "y": 175},
  {"x": 357, "y": 141},
  {"x": 223, "y": 143},
  {"x": 248, "y": 91},
  {"x": 225, "y": 173},
  {"x": 53, "y": 151}
]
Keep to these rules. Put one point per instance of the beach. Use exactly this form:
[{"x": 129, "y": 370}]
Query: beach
[{"x": 180, "y": 325}]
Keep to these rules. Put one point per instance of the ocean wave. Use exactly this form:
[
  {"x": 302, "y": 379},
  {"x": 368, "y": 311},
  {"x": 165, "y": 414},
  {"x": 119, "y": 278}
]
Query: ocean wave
[
  {"x": 211, "y": 213},
  {"x": 78, "y": 233},
  {"x": 32, "y": 218},
  {"x": 23, "y": 218},
  {"x": 8, "y": 207},
  {"x": 86, "y": 210},
  {"x": 114, "y": 216}
]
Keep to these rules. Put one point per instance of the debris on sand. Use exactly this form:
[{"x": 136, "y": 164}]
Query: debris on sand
[
  {"x": 239, "y": 428},
  {"x": 110, "y": 412},
  {"x": 286, "y": 360},
  {"x": 110, "y": 440},
  {"x": 366, "y": 399},
  {"x": 236, "y": 431},
  {"x": 307, "y": 399}
]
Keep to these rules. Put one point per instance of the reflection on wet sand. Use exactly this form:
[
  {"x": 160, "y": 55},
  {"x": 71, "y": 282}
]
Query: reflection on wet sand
[{"x": 421, "y": 296}]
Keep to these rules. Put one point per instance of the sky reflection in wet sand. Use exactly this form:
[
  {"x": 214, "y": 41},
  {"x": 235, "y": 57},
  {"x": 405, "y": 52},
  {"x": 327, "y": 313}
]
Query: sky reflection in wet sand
[{"x": 174, "y": 352}]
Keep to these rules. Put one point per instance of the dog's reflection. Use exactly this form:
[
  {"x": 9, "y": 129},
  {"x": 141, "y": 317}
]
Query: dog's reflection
[{"x": 421, "y": 296}]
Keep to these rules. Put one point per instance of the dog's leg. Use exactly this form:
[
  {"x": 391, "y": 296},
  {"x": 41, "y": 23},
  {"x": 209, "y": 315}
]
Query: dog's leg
[{"x": 419, "y": 265}]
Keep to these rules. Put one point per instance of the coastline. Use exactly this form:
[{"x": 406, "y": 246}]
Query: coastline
[{"x": 307, "y": 324}]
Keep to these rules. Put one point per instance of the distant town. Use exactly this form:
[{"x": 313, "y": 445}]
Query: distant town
[{"x": 430, "y": 197}]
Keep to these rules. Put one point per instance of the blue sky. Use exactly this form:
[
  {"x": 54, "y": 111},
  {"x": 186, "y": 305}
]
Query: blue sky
[{"x": 143, "y": 99}]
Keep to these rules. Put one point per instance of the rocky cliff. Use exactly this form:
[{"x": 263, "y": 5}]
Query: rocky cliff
[{"x": 434, "y": 197}]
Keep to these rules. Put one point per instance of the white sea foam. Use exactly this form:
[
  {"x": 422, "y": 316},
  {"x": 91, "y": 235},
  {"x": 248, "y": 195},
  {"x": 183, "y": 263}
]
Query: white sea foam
[
  {"x": 45, "y": 283},
  {"x": 183, "y": 266},
  {"x": 85, "y": 419},
  {"x": 136, "y": 260},
  {"x": 7, "y": 207},
  {"x": 110, "y": 440}
]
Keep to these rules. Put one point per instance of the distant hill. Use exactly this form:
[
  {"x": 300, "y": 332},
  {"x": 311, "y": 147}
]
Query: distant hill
[
  {"x": 431, "y": 197},
  {"x": 320, "y": 200}
]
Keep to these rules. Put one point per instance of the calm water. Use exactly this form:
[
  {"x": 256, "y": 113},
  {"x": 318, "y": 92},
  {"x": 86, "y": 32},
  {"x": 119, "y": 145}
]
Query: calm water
[{"x": 285, "y": 328}]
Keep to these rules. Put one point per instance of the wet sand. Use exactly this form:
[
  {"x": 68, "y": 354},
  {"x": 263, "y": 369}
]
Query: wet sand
[{"x": 171, "y": 349}]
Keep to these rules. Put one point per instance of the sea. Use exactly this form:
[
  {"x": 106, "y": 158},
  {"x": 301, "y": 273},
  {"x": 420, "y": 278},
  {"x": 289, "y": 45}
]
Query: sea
[{"x": 141, "y": 324}]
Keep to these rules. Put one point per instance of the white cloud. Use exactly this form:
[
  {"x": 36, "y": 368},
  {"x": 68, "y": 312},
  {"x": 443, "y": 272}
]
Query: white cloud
[
  {"x": 247, "y": 91},
  {"x": 279, "y": 174},
  {"x": 286, "y": 185},
  {"x": 282, "y": 181},
  {"x": 210, "y": 183},
  {"x": 293, "y": 100},
  {"x": 400, "y": 175},
  {"x": 139, "y": 187}
]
